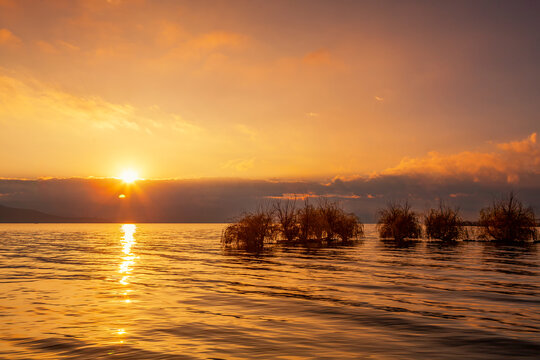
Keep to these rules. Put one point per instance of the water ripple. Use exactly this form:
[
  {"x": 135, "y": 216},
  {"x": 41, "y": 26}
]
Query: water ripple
[{"x": 169, "y": 291}]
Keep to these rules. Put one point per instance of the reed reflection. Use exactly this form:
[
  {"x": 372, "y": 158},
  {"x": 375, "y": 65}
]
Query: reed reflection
[{"x": 517, "y": 258}]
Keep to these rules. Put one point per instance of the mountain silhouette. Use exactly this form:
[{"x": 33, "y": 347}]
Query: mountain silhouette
[{"x": 16, "y": 215}]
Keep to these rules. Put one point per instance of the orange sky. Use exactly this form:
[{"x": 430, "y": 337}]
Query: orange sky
[{"x": 261, "y": 89}]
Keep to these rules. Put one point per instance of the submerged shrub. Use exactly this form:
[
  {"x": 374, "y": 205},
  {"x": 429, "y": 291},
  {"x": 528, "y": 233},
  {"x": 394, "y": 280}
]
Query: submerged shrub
[
  {"x": 311, "y": 223},
  {"x": 348, "y": 227},
  {"x": 325, "y": 223},
  {"x": 398, "y": 222},
  {"x": 250, "y": 232},
  {"x": 286, "y": 218},
  {"x": 338, "y": 224},
  {"x": 444, "y": 223},
  {"x": 508, "y": 220}
]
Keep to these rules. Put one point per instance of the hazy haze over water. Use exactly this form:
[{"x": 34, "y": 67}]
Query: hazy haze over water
[{"x": 170, "y": 291}]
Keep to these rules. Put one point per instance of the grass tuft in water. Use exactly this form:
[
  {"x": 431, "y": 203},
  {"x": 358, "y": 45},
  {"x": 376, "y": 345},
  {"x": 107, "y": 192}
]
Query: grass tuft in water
[
  {"x": 322, "y": 224},
  {"x": 508, "y": 219},
  {"x": 251, "y": 231},
  {"x": 397, "y": 221},
  {"x": 444, "y": 223}
]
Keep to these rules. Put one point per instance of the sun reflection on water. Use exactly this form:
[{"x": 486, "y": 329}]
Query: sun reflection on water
[
  {"x": 126, "y": 268},
  {"x": 128, "y": 239},
  {"x": 129, "y": 258}
]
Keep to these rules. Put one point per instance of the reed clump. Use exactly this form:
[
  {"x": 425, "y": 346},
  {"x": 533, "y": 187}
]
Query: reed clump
[
  {"x": 444, "y": 223},
  {"x": 340, "y": 225},
  {"x": 508, "y": 220},
  {"x": 251, "y": 231},
  {"x": 397, "y": 221},
  {"x": 325, "y": 223},
  {"x": 286, "y": 218}
]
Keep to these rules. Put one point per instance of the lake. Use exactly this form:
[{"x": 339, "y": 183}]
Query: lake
[{"x": 169, "y": 291}]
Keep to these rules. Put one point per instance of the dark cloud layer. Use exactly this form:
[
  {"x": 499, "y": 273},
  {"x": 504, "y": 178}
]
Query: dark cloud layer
[{"x": 220, "y": 200}]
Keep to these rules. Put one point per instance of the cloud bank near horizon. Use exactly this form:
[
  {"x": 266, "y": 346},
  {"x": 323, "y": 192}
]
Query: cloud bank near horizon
[
  {"x": 469, "y": 180},
  {"x": 221, "y": 200}
]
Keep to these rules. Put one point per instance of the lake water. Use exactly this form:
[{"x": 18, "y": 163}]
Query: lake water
[{"x": 169, "y": 291}]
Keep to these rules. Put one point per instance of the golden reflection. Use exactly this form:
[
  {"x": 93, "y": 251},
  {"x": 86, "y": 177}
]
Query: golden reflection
[
  {"x": 128, "y": 259},
  {"x": 128, "y": 239},
  {"x": 126, "y": 267}
]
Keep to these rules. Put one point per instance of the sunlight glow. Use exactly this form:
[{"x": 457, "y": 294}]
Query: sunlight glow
[{"x": 129, "y": 176}]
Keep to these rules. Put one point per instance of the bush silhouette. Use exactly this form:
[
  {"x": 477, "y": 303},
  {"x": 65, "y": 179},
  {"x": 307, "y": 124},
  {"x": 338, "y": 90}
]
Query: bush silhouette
[
  {"x": 286, "y": 218},
  {"x": 311, "y": 223},
  {"x": 348, "y": 227},
  {"x": 398, "y": 222},
  {"x": 251, "y": 231},
  {"x": 444, "y": 223},
  {"x": 338, "y": 224},
  {"x": 326, "y": 222},
  {"x": 508, "y": 220}
]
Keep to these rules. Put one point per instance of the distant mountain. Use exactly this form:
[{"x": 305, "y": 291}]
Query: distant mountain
[{"x": 15, "y": 215}]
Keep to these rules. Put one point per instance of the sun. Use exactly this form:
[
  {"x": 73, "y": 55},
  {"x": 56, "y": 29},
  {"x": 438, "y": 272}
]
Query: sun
[{"x": 129, "y": 176}]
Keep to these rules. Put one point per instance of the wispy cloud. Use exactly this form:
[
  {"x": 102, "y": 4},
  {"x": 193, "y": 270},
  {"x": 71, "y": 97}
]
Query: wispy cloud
[
  {"x": 318, "y": 57},
  {"x": 239, "y": 164},
  {"x": 27, "y": 98},
  {"x": 8, "y": 38},
  {"x": 294, "y": 196},
  {"x": 246, "y": 130},
  {"x": 217, "y": 39},
  {"x": 58, "y": 46}
]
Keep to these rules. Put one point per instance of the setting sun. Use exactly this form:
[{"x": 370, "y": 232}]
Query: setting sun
[{"x": 129, "y": 176}]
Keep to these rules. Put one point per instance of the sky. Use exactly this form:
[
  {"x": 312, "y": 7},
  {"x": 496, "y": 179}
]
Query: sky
[{"x": 279, "y": 91}]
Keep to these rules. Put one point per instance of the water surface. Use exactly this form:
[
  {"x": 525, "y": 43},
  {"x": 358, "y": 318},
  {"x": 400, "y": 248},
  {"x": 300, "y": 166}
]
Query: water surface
[{"x": 169, "y": 291}]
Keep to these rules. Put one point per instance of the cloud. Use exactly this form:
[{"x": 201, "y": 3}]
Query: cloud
[
  {"x": 57, "y": 47},
  {"x": 219, "y": 39},
  {"x": 318, "y": 57},
  {"x": 185, "y": 127},
  {"x": 208, "y": 49},
  {"x": 30, "y": 100},
  {"x": 8, "y": 38},
  {"x": 220, "y": 200},
  {"x": 46, "y": 47},
  {"x": 295, "y": 196},
  {"x": 239, "y": 164},
  {"x": 509, "y": 162},
  {"x": 169, "y": 33},
  {"x": 524, "y": 146},
  {"x": 246, "y": 130}
]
